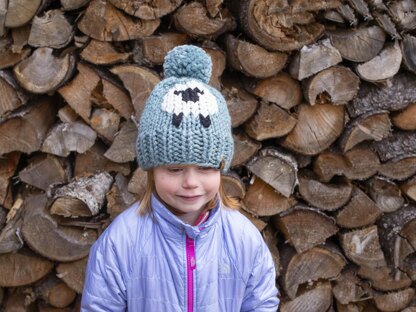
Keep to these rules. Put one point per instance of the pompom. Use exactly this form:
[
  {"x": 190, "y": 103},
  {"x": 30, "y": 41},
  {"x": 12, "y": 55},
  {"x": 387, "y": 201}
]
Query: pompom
[{"x": 188, "y": 61}]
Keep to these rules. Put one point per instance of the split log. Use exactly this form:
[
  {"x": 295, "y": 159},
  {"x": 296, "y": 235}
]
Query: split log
[
  {"x": 213, "y": 6},
  {"x": 405, "y": 119},
  {"x": 73, "y": 273},
  {"x": 16, "y": 17},
  {"x": 359, "y": 212},
  {"x": 395, "y": 301},
  {"x": 68, "y": 5},
  {"x": 258, "y": 223},
  {"x": 347, "y": 14},
  {"x": 233, "y": 186},
  {"x": 192, "y": 18},
  {"x": 383, "y": 66},
  {"x": 399, "y": 169},
  {"x": 22, "y": 268},
  {"x": 12, "y": 97},
  {"x": 385, "y": 22},
  {"x": 270, "y": 121},
  {"x": 269, "y": 236},
  {"x": 317, "y": 128},
  {"x": 316, "y": 299},
  {"x": 105, "y": 123},
  {"x": 138, "y": 181},
  {"x": 33, "y": 121},
  {"x": 315, "y": 264},
  {"x": 244, "y": 149},
  {"x": 386, "y": 194},
  {"x": 8, "y": 56},
  {"x": 276, "y": 169},
  {"x": 77, "y": 92},
  {"x": 369, "y": 126},
  {"x": 358, "y": 45},
  {"x": 65, "y": 138},
  {"x": 349, "y": 288},
  {"x": 43, "y": 235},
  {"x": 55, "y": 292},
  {"x": 82, "y": 197},
  {"x": 118, "y": 197},
  {"x": 93, "y": 161},
  {"x": 262, "y": 200},
  {"x": 102, "y": 21},
  {"x": 218, "y": 58},
  {"x": 403, "y": 14},
  {"x": 334, "y": 16},
  {"x": 280, "y": 89},
  {"x": 45, "y": 171},
  {"x": 384, "y": 278},
  {"x": 66, "y": 114},
  {"x": 10, "y": 236},
  {"x": 42, "y": 72},
  {"x": 51, "y": 30},
  {"x": 325, "y": 196},
  {"x": 117, "y": 98},
  {"x": 275, "y": 27},
  {"x": 399, "y": 144},
  {"x": 394, "y": 96},
  {"x": 241, "y": 104},
  {"x": 139, "y": 81},
  {"x": 147, "y": 11},
  {"x": 337, "y": 85},
  {"x": 408, "y": 45},
  {"x": 103, "y": 53},
  {"x": 8, "y": 166},
  {"x": 313, "y": 59},
  {"x": 305, "y": 228},
  {"x": 155, "y": 48},
  {"x": 253, "y": 60},
  {"x": 363, "y": 247},
  {"x": 20, "y": 300},
  {"x": 362, "y": 8},
  {"x": 20, "y": 38},
  {"x": 123, "y": 148}
]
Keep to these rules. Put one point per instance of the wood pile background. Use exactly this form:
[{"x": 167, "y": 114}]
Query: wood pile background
[{"x": 322, "y": 95}]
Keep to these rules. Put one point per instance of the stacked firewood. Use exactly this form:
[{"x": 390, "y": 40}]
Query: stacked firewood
[{"x": 322, "y": 95}]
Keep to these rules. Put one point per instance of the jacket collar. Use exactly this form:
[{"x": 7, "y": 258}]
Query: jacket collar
[{"x": 171, "y": 225}]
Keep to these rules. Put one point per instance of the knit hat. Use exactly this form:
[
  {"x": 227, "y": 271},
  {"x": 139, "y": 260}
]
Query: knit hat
[{"x": 185, "y": 121}]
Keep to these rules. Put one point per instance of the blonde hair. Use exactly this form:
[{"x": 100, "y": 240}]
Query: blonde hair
[{"x": 145, "y": 206}]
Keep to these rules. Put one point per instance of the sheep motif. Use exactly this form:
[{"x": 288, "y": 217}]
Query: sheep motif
[{"x": 190, "y": 98}]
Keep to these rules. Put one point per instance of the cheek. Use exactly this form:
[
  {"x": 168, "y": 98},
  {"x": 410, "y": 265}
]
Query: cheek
[
  {"x": 213, "y": 183},
  {"x": 165, "y": 186}
]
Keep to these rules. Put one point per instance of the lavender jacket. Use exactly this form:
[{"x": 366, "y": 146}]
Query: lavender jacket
[{"x": 158, "y": 263}]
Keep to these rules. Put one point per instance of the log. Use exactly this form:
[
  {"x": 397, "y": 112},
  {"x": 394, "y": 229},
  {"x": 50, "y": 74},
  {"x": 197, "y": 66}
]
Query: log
[
  {"x": 347, "y": 13},
  {"x": 42, "y": 72},
  {"x": 385, "y": 22},
  {"x": 105, "y": 123},
  {"x": 359, "y": 212},
  {"x": 253, "y": 60},
  {"x": 270, "y": 121},
  {"x": 147, "y": 10},
  {"x": 103, "y": 53},
  {"x": 213, "y": 6},
  {"x": 313, "y": 59},
  {"x": 193, "y": 19},
  {"x": 55, "y": 292},
  {"x": 12, "y": 96},
  {"x": 59, "y": 243},
  {"x": 52, "y": 30},
  {"x": 392, "y": 97},
  {"x": 68, "y": 5},
  {"x": 123, "y": 148},
  {"x": 66, "y": 114},
  {"x": 399, "y": 144},
  {"x": 93, "y": 161},
  {"x": 77, "y": 92},
  {"x": 362, "y": 8},
  {"x": 384, "y": 278},
  {"x": 118, "y": 197},
  {"x": 244, "y": 149},
  {"x": 305, "y": 228},
  {"x": 334, "y": 16},
  {"x": 262, "y": 200},
  {"x": 8, "y": 166},
  {"x": 233, "y": 186},
  {"x": 280, "y": 89},
  {"x": 317, "y": 128},
  {"x": 360, "y": 44},
  {"x": 369, "y": 126},
  {"x": 155, "y": 48},
  {"x": 315, "y": 264},
  {"x": 10, "y": 237},
  {"x": 395, "y": 301},
  {"x": 408, "y": 44},
  {"x": 316, "y": 299},
  {"x": 276, "y": 28},
  {"x": 73, "y": 273},
  {"x": 405, "y": 119},
  {"x": 20, "y": 38},
  {"x": 102, "y": 21},
  {"x": 403, "y": 14},
  {"x": 86, "y": 194},
  {"x": 383, "y": 66},
  {"x": 325, "y": 196},
  {"x": 269, "y": 236},
  {"x": 276, "y": 169},
  {"x": 258, "y": 223},
  {"x": 139, "y": 81},
  {"x": 22, "y": 268},
  {"x": 45, "y": 171},
  {"x": 337, "y": 85},
  {"x": 138, "y": 181},
  {"x": 241, "y": 104},
  {"x": 349, "y": 288},
  {"x": 9, "y": 55},
  {"x": 33, "y": 121},
  {"x": 16, "y": 17},
  {"x": 20, "y": 300},
  {"x": 399, "y": 169},
  {"x": 65, "y": 138},
  {"x": 386, "y": 194},
  {"x": 218, "y": 58}
]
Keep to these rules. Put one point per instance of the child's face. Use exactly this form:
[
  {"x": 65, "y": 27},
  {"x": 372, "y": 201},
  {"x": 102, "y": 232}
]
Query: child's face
[{"x": 186, "y": 188}]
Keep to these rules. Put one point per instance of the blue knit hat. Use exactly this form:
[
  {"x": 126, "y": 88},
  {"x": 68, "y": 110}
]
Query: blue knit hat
[{"x": 185, "y": 121}]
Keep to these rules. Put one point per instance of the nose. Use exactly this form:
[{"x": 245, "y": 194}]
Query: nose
[{"x": 190, "y": 180}]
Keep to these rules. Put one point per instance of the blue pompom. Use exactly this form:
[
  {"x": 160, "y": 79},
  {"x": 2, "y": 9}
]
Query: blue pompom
[{"x": 188, "y": 61}]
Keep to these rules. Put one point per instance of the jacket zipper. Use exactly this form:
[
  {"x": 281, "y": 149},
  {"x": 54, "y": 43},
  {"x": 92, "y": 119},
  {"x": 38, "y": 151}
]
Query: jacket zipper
[{"x": 190, "y": 266}]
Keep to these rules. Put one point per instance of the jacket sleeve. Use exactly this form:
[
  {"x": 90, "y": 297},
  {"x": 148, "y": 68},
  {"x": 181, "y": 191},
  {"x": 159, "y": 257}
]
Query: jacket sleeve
[
  {"x": 261, "y": 292},
  {"x": 104, "y": 288}
]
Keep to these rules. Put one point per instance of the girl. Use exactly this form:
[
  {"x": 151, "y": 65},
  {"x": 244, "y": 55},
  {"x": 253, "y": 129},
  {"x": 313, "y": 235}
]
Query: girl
[{"x": 184, "y": 247}]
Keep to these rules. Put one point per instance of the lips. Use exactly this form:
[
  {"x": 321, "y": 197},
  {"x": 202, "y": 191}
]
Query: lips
[{"x": 189, "y": 198}]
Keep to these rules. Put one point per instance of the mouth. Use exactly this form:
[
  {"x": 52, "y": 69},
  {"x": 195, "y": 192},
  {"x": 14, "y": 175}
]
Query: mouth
[{"x": 189, "y": 198}]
